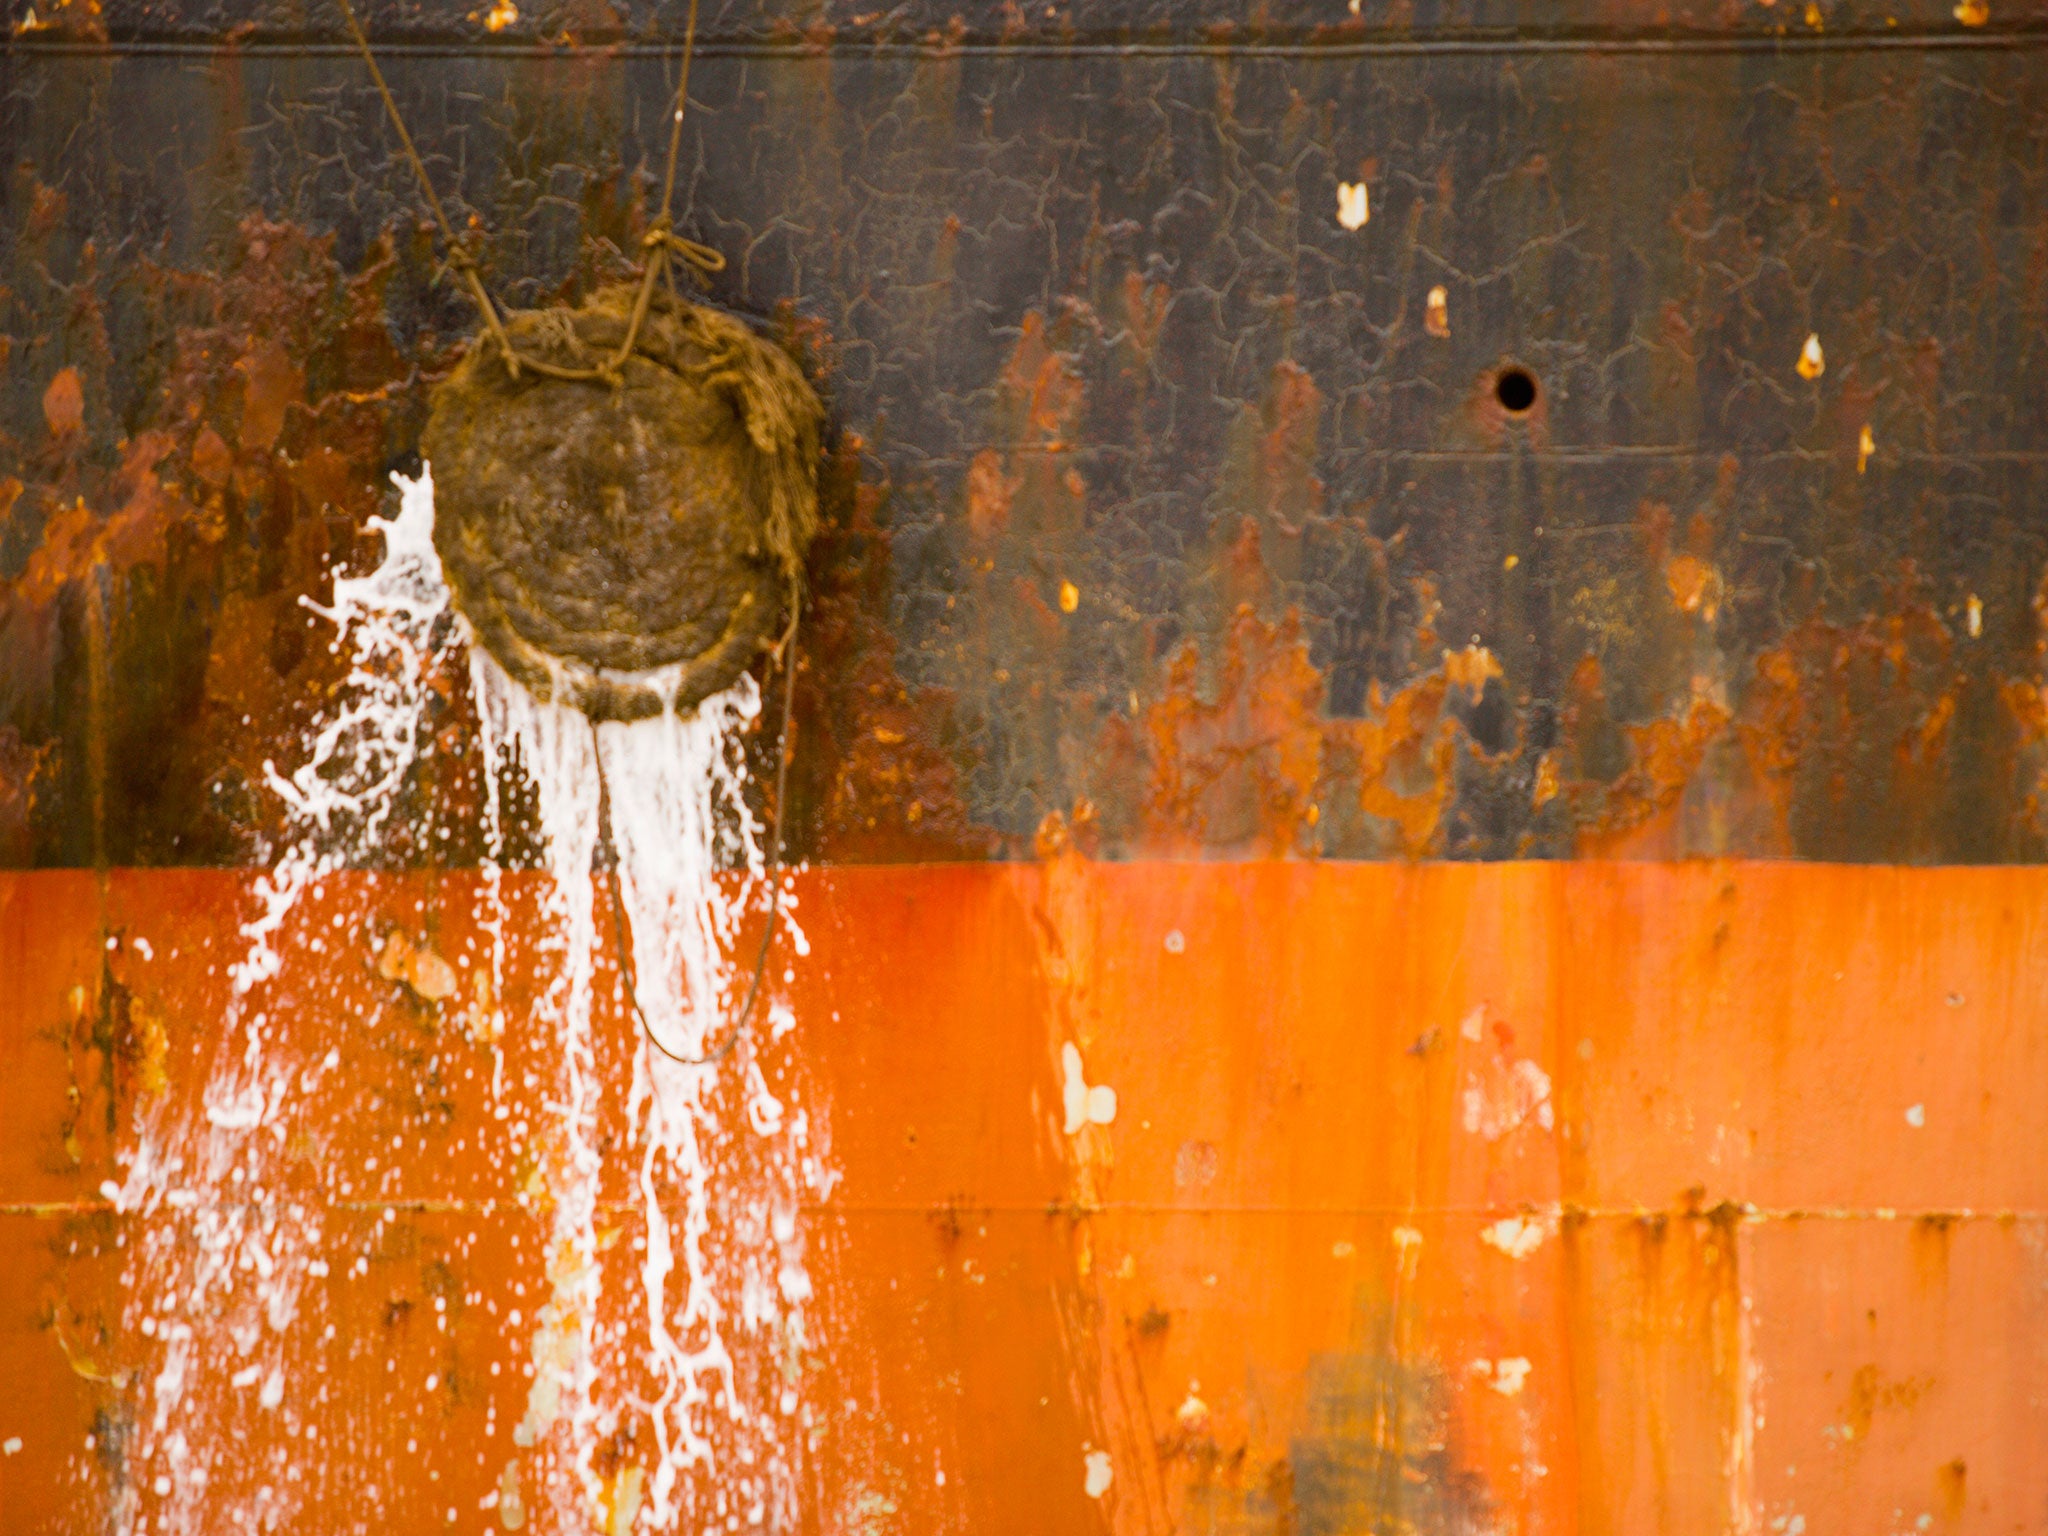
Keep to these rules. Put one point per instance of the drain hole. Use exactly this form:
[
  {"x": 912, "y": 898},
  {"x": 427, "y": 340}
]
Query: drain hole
[{"x": 1515, "y": 389}]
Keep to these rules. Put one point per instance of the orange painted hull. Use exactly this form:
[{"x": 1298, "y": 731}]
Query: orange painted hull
[{"x": 1560, "y": 1198}]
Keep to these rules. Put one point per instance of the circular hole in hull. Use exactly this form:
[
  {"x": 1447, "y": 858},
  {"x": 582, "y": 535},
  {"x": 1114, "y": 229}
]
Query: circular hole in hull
[{"x": 1515, "y": 389}]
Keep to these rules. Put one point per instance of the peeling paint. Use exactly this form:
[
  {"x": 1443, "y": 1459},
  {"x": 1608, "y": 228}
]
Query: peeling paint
[
  {"x": 1084, "y": 1104},
  {"x": 1516, "y": 1236}
]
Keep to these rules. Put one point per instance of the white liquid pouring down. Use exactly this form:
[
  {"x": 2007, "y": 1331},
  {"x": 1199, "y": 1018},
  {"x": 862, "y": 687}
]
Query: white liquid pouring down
[{"x": 701, "y": 1372}]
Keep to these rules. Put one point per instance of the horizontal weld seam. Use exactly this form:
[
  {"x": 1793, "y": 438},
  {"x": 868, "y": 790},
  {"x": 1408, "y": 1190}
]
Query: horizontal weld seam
[
  {"x": 1739, "y": 1210},
  {"x": 1101, "y": 46}
]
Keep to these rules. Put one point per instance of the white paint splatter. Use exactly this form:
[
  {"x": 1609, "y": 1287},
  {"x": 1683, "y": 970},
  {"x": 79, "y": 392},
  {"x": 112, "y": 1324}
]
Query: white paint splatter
[
  {"x": 1098, "y": 1475},
  {"x": 1354, "y": 206},
  {"x": 1504, "y": 1098},
  {"x": 1508, "y": 1375},
  {"x": 1515, "y": 1236},
  {"x": 1436, "y": 312},
  {"x": 1084, "y": 1105},
  {"x": 1916, "y": 1115},
  {"x": 1812, "y": 361}
]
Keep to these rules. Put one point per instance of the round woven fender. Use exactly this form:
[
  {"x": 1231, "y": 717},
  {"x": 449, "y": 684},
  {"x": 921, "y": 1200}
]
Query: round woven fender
[{"x": 622, "y": 548}]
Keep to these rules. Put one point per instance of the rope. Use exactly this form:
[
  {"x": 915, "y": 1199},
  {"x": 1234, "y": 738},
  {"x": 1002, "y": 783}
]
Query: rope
[
  {"x": 675, "y": 131},
  {"x": 660, "y": 242},
  {"x": 623, "y": 939}
]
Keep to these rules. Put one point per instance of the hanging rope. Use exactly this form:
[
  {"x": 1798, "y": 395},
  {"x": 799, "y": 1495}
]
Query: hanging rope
[
  {"x": 660, "y": 243},
  {"x": 610, "y": 857}
]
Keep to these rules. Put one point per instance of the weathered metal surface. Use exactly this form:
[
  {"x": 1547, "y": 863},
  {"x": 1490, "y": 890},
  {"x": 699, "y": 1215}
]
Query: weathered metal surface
[
  {"x": 1171, "y": 512},
  {"x": 1186, "y": 512},
  {"x": 1544, "y": 1198}
]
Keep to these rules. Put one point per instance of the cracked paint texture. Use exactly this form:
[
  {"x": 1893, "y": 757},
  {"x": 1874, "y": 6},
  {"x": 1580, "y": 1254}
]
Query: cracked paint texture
[
  {"x": 1175, "y": 535},
  {"x": 1168, "y": 504}
]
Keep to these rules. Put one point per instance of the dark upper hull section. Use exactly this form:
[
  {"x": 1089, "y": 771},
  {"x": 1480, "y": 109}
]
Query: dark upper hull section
[{"x": 1166, "y": 513}]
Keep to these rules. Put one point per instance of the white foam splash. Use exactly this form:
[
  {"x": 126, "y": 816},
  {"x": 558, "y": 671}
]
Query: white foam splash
[
  {"x": 723, "y": 1255},
  {"x": 226, "y": 1240},
  {"x": 719, "y": 1165}
]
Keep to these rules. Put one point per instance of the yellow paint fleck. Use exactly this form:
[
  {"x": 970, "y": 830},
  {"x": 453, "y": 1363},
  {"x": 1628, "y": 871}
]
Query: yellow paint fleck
[
  {"x": 1436, "y": 312},
  {"x": 151, "y": 1041},
  {"x": 622, "y": 1502},
  {"x": 1695, "y": 586},
  {"x": 1547, "y": 787},
  {"x": 1812, "y": 364},
  {"x": 1470, "y": 668},
  {"x": 1973, "y": 13},
  {"x": 484, "y": 1019},
  {"x": 1813, "y": 17},
  {"x": 1511, "y": 562},
  {"x": 1973, "y": 616},
  {"x": 887, "y": 737},
  {"x": 1353, "y": 205},
  {"x": 1070, "y": 597},
  {"x": 502, "y": 14},
  {"x": 1866, "y": 445}
]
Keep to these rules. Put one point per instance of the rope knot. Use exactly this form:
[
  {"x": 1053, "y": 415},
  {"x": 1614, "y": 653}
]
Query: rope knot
[{"x": 702, "y": 257}]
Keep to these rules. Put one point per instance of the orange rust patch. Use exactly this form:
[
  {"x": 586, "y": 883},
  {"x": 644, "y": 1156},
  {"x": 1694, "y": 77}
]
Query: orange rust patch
[
  {"x": 64, "y": 404},
  {"x": 988, "y": 494},
  {"x": 1695, "y": 586},
  {"x": 875, "y": 766},
  {"x": 1144, "y": 306},
  {"x": 1046, "y": 388},
  {"x": 1406, "y": 751},
  {"x": 1249, "y": 761},
  {"x": 1253, "y": 765},
  {"x": 271, "y": 383},
  {"x": 1293, "y": 415}
]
